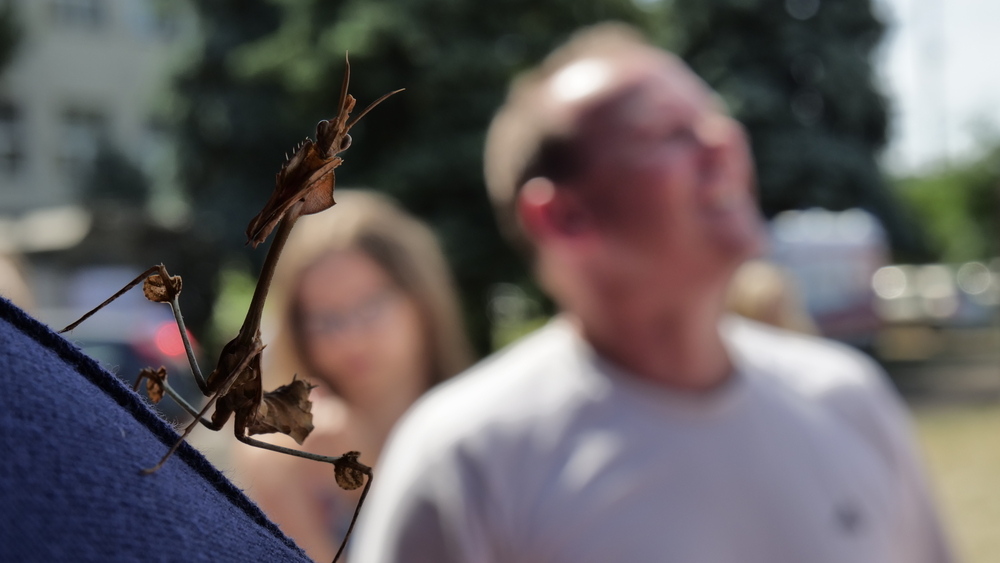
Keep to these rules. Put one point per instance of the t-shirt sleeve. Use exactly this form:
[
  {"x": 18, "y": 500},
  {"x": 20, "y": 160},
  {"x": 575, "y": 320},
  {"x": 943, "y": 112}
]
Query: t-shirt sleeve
[
  {"x": 876, "y": 410},
  {"x": 919, "y": 524},
  {"x": 425, "y": 505}
]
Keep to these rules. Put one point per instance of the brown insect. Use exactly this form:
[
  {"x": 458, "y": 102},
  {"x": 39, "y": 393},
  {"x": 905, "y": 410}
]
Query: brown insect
[{"x": 304, "y": 186}]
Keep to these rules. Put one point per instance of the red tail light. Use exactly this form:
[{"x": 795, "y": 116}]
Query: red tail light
[{"x": 168, "y": 340}]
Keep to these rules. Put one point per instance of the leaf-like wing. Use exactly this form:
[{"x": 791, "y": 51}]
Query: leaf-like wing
[{"x": 287, "y": 410}]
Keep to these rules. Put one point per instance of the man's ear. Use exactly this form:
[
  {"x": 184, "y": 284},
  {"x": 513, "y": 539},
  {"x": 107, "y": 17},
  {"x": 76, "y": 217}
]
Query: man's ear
[{"x": 546, "y": 212}]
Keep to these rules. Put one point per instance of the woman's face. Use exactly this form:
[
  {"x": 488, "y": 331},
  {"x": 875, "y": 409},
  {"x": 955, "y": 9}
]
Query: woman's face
[{"x": 361, "y": 332}]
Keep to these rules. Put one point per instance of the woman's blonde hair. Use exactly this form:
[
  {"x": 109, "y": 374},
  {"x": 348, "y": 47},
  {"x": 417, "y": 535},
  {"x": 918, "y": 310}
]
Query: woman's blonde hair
[
  {"x": 402, "y": 246},
  {"x": 763, "y": 292}
]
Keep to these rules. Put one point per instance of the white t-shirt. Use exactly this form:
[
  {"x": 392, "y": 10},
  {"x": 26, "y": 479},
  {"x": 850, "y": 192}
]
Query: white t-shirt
[{"x": 547, "y": 453}]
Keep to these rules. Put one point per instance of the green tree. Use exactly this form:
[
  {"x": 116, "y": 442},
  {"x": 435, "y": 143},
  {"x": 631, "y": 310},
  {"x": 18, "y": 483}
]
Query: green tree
[
  {"x": 959, "y": 207},
  {"x": 10, "y": 33},
  {"x": 798, "y": 74},
  {"x": 115, "y": 178}
]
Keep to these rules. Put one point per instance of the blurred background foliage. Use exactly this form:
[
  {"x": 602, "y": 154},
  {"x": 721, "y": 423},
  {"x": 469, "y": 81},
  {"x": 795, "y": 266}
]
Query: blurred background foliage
[
  {"x": 958, "y": 207},
  {"x": 798, "y": 74},
  {"x": 10, "y": 34}
]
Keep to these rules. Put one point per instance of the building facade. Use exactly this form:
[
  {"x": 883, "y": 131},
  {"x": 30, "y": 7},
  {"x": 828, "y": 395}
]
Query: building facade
[{"x": 87, "y": 75}]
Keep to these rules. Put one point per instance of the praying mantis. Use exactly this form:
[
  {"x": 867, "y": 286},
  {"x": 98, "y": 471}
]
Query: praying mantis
[{"x": 303, "y": 186}]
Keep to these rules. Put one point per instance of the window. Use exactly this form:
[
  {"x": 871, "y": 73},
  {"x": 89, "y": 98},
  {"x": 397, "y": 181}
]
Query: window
[
  {"x": 165, "y": 20},
  {"x": 83, "y": 133},
  {"x": 11, "y": 139},
  {"x": 79, "y": 13},
  {"x": 154, "y": 19}
]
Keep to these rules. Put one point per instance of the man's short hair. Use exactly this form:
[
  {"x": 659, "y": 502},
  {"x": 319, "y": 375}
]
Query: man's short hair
[{"x": 522, "y": 144}]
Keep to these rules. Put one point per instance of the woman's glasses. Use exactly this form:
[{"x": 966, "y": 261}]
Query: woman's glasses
[{"x": 364, "y": 315}]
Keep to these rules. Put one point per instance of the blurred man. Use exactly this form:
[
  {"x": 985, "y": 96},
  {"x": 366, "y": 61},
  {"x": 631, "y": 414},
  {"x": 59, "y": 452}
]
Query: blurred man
[{"x": 641, "y": 425}]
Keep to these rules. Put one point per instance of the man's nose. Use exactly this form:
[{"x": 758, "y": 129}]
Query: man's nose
[
  {"x": 715, "y": 134},
  {"x": 714, "y": 130}
]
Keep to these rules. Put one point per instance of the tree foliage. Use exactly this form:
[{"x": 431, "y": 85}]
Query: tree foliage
[
  {"x": 10, "y": 33},
  {"x": 959, "y": 207},
  {"x": 270, "y": 69},
  {"x": 798, "y": 74}
]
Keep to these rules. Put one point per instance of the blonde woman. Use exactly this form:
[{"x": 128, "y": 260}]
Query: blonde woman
[
  {"x": 363, "y": 307},
  {"x": 763, "y": 292}
]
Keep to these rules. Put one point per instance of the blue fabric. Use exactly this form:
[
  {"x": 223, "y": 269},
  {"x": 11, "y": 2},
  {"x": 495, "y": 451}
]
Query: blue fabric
[{"x": 73, "y": 439}]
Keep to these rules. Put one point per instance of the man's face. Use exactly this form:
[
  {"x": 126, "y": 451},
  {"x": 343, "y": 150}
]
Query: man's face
[{"x": 669, "y": 177}]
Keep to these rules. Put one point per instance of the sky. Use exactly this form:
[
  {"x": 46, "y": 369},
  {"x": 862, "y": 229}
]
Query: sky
[{"x": 939, "y": 63}]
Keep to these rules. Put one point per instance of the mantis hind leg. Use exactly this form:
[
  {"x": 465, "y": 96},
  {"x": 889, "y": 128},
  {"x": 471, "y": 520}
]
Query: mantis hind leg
[{"x": 336, "y": 461}]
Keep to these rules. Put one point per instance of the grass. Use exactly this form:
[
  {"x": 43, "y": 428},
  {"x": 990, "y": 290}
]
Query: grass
[{"x": 962, "y": 448}]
